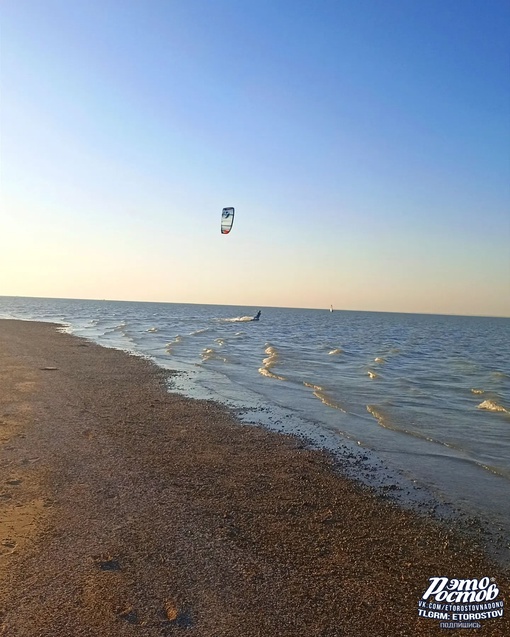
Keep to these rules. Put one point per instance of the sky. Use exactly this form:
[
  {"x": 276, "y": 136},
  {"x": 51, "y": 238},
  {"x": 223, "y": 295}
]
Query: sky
[{"x": 365, "y": 146}]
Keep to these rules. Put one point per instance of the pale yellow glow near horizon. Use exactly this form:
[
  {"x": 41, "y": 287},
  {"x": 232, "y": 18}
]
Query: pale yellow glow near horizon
[
  {"x": 53, "y": 254},
  {"x": 68, "y": 273}
]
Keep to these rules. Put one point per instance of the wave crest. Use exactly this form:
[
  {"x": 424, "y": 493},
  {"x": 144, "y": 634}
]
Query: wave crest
[
  {"x": 270, "y": 362},
  {"x": 491, "y": 405}
]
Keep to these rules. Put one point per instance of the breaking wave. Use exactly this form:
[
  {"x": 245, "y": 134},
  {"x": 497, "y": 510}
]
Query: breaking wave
[
  {"x": 384, "y": 421},
  {"x": 491, "y": 405},
  {"x": 170, "y": 346},
  {"x": 319, "y": 393},
  {"x": 209, "y": 353},
  {"x": 201, "y": 331},
  {"x": 269, "y": 362},
  {"x": 238, "y": 319}
]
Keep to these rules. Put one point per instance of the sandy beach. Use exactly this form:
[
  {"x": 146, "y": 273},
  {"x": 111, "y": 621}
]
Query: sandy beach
[{"x": 127, "y": 510}]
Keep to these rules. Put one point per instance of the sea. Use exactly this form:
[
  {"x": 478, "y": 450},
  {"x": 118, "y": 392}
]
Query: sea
[{"x": 416, "y": 406}]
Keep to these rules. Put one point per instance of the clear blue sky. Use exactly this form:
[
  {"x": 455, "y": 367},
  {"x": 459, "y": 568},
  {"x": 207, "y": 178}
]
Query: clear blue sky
[{"x": 364, "y": 144}]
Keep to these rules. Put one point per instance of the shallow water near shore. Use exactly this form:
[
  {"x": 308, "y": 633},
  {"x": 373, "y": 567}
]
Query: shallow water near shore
[{"x": 426, "y": 397}]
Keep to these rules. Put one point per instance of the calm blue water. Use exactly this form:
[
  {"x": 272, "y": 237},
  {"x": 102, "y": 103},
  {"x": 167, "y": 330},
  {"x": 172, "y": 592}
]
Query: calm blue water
[{"x": 426, "y": 396}]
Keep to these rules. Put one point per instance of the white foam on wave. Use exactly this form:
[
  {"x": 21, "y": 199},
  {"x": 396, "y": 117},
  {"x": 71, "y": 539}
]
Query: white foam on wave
[
  {"x": 491, "y": 405},
  {"x": 335, "y": 352},
  {"x": 312, "y": 386},
  {"x": 270, "y": 362},
  {"x": 380, "y": 417},
  {"x": 201, "y": 331},
  {"x": 171, "y": 344},
  {"x": 238, "y": 319},
  {"x": 326, "y": 399},
  {"x": 208, "y": 353}
]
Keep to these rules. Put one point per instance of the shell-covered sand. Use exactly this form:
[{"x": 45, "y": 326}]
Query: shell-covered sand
[{"x": 126, "y": 510}]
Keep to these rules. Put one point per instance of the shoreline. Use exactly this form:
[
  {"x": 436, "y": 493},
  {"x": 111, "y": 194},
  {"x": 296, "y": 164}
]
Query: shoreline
[{"x": 144, "y": 512}]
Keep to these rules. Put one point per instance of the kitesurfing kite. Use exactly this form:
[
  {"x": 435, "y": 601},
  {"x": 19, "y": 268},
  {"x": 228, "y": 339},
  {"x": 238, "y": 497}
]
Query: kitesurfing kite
[{"x": 227, "y": 220}]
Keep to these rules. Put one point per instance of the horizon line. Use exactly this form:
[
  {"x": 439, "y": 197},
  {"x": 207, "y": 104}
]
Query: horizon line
[{"x": 284, "y": 307}]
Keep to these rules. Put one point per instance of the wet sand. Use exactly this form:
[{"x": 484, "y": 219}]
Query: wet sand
[{"x": 126, "y": 510}]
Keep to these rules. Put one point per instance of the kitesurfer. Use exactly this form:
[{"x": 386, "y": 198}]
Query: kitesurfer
[{"x": 257, "y": 316}]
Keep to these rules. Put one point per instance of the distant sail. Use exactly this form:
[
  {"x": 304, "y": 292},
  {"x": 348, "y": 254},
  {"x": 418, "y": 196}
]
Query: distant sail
[{"x": 227, "y": 220}]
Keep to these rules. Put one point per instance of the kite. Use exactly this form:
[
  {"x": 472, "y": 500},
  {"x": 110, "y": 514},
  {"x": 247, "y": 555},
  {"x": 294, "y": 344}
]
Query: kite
[{"x": 227, "y": 220}]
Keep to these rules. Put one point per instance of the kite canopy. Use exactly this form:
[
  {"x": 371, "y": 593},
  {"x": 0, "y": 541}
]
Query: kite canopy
[{"x": 227, "y": 219}]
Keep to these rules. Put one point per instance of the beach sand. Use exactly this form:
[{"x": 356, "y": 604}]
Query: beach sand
[{"x": 126, "y": 510}]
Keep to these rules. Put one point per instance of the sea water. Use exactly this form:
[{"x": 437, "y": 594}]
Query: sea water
[{"x": 419, "y": 404}]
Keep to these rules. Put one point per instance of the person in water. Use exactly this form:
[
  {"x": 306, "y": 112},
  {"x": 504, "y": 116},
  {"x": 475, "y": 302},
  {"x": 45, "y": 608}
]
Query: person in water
[{"x": 257, "y": 316}]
